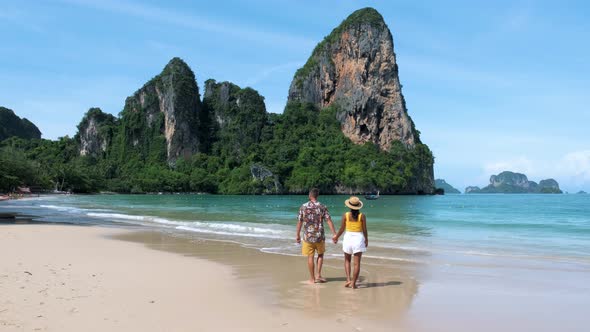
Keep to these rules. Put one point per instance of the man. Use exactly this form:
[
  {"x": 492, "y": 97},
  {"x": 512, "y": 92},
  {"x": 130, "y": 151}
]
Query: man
[{"x": 311, "y": 216}]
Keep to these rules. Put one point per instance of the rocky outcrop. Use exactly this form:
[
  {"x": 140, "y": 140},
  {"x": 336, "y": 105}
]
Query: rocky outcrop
[
  {"x": 269, "y": 181},
  {"x": 355, "y": 69},
  {"x": 96, "y": 132},
  {"x": 472, "y": 189},
  {"x": 168, "y": 106},
  {"x": 12, "y": 125},
  {"x": 549, "y": 186},
  {"x": 516, "y": 183},
  {"x": 448, "y": 189},
  {"x": 233, "y": 115},
  {"x": 510, "y": 179}
]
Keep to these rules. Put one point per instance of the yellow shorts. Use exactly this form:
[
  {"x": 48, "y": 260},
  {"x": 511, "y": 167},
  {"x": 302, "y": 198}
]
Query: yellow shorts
[{"x": 309, "y": 249}]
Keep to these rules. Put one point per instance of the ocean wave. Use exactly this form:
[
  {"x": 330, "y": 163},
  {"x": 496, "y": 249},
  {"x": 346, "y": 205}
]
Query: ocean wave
[
  {"x": 129, "y": 217},
  {"x": 218, "y": 228},
  {"x": 70, "y": 209},
  {"x": 218, "y": 232}
]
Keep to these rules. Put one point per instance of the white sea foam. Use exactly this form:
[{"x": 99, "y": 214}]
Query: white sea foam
[
  {"x": 129, "y": 217},
  {"x": 70, "y": 209},
  {"x": 63, "y": 208},
  {"x": 230, "y": 229},
  {"x": 219, "y": 232},
  {"x": 60, "y": 208}
]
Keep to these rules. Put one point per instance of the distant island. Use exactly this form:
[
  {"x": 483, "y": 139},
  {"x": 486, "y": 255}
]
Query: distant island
[
  {"x": 581, "y": 192},
  {"x": 515, "y": 183},
  {"x": 442, "y": 184}
]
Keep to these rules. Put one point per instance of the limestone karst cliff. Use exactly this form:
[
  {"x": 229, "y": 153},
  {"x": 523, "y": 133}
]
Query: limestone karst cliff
[
  {"x": 165, "y": 111},
  {"x": 233, "y": 116},
  {"x": 355, "y": 67},
  {"x": 96, "y": 132}
]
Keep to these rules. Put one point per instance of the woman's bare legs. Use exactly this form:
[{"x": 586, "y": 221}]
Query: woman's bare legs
[
  {"x": 357, "y": 268},
  {"x": 347, "y": 259}
]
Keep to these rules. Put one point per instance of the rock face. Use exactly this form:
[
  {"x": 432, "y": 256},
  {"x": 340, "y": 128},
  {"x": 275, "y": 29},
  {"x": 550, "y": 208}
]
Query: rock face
[
  {"x": 509, "y": 178},
  {"x": 233, "y": 115},
  {"x": 12, "y": 125},
  {"x": 355, "y": 69},
  {"x": 472, "y": 189},
  {"x": 448, "y": 189},
  {"x": 512, "y": 183},
  {"x": 267, "y": 178},
  {"x": 96, "y": 132},
  {"x": 167, "y": 105}
]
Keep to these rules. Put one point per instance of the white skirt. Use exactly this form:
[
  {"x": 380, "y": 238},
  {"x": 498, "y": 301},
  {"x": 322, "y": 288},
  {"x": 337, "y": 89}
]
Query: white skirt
[{"x": 353, "y": 242}]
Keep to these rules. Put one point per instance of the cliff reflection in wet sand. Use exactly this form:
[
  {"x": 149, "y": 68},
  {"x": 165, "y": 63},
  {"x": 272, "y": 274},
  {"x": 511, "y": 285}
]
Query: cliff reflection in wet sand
[{"x": 386, "y": 290}]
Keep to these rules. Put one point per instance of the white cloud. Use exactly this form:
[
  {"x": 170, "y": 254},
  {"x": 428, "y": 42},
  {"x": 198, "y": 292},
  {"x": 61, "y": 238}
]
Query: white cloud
[
  {"x": 577, "y": 165},
  {"x": 191, "y": 21},
  {"x": 520, "y": 165}
]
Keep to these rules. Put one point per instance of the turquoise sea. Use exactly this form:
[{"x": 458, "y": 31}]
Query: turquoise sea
[{"x": 535, "y": 231}]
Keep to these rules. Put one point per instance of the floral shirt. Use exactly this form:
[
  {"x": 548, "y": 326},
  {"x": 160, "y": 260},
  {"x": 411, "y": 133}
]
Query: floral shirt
[{"x": 312, "y": 215}]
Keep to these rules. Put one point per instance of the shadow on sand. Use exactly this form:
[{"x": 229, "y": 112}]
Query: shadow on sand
[{"x": 361, "y": 279}]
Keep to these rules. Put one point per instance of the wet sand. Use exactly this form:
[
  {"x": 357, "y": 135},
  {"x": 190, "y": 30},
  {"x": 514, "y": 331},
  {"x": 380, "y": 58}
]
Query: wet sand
[{"x": 278, "y": 281}]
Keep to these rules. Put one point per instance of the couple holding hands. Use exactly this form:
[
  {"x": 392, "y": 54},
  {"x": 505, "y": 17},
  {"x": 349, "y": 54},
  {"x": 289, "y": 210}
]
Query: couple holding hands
[{"x": 311, "y": 218}]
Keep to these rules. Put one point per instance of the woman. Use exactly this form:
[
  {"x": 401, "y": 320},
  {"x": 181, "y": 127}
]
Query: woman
[{"x": 355, "y": 240}]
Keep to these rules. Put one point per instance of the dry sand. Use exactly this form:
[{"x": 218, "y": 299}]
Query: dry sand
[{"x": 77, "y": 278}]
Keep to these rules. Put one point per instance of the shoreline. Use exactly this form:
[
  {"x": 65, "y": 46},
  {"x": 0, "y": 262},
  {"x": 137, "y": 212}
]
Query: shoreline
[
  {"x": 430, "y": 291},
  {"x": 179, "y": 271}
]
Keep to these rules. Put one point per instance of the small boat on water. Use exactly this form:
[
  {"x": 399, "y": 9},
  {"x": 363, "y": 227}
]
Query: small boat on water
[{"x": 372, "y": 196}]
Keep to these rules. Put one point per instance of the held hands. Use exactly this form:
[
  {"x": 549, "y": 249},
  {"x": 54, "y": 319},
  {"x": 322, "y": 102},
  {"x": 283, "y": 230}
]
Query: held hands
[
  {"x": 335, "y": 238},
  {"x": 298, "y": 238}
]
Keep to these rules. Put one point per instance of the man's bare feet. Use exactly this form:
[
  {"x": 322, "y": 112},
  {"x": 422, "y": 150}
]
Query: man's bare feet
[
  {"x": 347, "y": 284},
  {"x": 320, "y": 280},
  {"x": 311, "y": 282}
]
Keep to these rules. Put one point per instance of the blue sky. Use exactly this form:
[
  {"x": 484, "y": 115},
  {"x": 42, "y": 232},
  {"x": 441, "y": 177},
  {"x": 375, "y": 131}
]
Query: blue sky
[{"x": 493, "y": 86}]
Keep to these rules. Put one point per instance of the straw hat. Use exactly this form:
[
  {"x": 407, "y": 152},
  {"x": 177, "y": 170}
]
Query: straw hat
[{"x": 354, "y": 203}]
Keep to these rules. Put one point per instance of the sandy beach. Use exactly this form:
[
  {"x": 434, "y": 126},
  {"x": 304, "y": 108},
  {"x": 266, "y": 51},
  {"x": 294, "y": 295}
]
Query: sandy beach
[
  {"x": 91, "y": 278},
  {"x": 76, "y": 278}
]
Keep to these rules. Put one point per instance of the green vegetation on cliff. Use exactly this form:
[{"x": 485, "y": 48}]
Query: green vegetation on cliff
[
  {"x": 234, "y": 119},
  {"x": 303, "y": 147},
  {"x": 308, "y": 149},
  {"x": 12, "y": 125}
]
